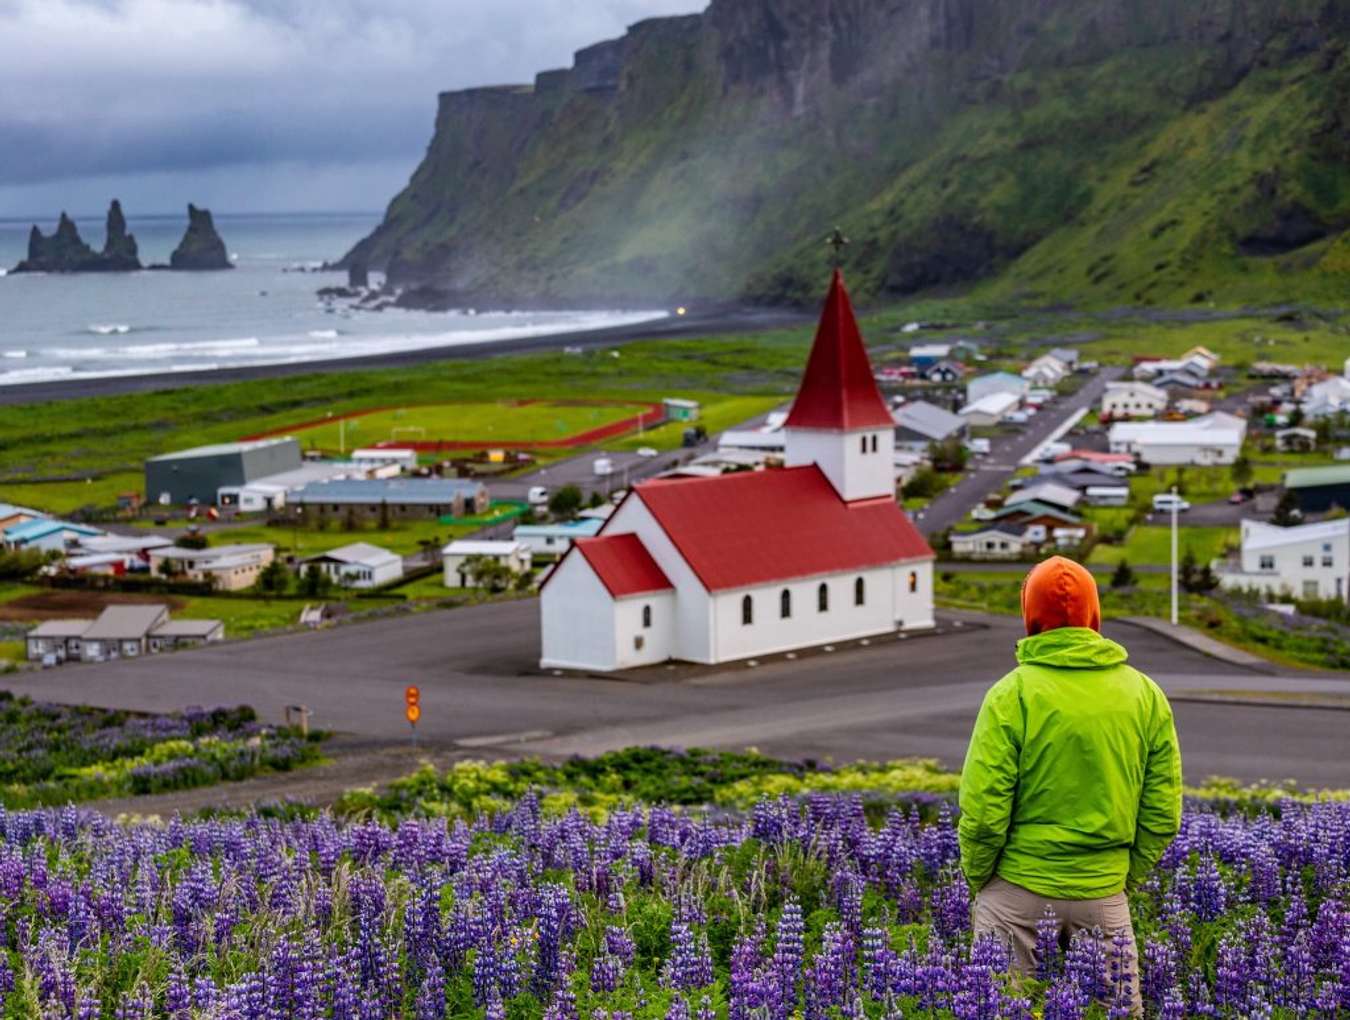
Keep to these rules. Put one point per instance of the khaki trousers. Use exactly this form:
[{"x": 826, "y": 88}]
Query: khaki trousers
[{"x": 1011, "y": 913}]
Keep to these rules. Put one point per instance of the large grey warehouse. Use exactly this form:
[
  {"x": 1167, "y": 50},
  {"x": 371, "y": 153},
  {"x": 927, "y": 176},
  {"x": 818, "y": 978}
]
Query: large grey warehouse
[{"x": 198, "y": 473}]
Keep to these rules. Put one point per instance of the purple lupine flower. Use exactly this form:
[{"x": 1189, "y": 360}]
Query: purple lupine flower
[{"x": 1048, "y": 963}]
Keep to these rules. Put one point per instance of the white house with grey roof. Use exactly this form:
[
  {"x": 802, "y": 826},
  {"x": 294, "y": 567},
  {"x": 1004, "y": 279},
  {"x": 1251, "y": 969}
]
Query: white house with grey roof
[
  {"x": 358, "y": 565},
  {"x": 1310, "y": 561},
  {"x": 120, "y": 632}
]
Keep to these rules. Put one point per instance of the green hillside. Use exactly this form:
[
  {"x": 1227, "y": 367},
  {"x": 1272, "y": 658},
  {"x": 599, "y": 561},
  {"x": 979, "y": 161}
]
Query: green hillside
[{"x": 1096, "y": 152}]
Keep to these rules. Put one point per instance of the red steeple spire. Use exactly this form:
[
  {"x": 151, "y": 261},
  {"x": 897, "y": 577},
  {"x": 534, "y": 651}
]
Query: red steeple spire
[{"x": 838, "y": 390}]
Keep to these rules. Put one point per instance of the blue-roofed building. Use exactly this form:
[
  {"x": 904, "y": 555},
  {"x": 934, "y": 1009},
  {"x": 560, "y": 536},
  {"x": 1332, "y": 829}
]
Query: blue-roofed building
[
  {"x": 47, "y": 535},
  {"x": 553, "y": 540},
  {"x": 996, "y": 382},
  {"x": 369, "y": 499}
]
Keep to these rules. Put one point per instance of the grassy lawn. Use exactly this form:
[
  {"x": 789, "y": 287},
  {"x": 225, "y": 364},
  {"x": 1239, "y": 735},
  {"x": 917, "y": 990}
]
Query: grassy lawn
[
  {"x": 67, "y": 497},
  {"x": 716, "y": 415},
  {"x": 504, "y": 421},
  {"x": 1153, "y": 544}
]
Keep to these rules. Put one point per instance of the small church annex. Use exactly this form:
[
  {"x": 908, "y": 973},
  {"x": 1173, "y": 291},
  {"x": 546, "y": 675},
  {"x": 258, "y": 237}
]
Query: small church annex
[{"x": 713, "y": 570}]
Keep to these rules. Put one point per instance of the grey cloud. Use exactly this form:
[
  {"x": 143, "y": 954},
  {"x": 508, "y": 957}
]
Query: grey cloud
[{"x": 98, "y": 88}]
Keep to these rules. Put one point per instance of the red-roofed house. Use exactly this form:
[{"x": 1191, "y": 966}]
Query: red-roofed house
[{"x": 739, "y": 565}]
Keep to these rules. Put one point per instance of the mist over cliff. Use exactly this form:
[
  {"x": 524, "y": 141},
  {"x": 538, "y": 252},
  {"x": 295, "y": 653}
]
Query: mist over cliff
[{"x": 1099, "y": 151}]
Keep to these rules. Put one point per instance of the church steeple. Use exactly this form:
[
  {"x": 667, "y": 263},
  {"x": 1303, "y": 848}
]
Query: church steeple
[
  {"x": 838, "y": 390},
  {"x": 839, "y": 420}
]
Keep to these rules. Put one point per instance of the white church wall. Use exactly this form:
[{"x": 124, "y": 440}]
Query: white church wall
[
  {"x": 914, "y": 595},
  {"x": 807, "y": 626},
  {"x": 692, "y": 639},
  {"x": 636, "y": 643},
  {"x": 853, "y": 473},
  {"x": 577, "y": 619}
]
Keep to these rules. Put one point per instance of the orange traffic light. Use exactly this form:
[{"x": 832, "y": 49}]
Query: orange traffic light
[
  {"x": 412, "y": 696},
  {"x": 413, "y": 712}
]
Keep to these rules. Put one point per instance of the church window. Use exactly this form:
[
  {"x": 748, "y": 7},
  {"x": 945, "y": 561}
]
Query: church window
[
  {"x": 859, "y": 592},
  {"x": 913, "y": 581},
  {"x": 747, "y": 611},
  {"x": 863, "y": 441},
  {"x": 823, "y": 598},
  {"x": 646, "y": 616},
  {"x": 785, "y": 604},
  {"x": 874, "y": 444}
]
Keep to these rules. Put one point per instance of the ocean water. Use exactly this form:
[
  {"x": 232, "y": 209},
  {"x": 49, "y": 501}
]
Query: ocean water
[{"x": 262, "y": 312}]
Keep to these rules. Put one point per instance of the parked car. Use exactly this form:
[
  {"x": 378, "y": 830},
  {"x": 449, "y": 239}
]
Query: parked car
[
  {"x": 982, "y": 513},
  {"x": 979, "y": 446},
  {"x": 1237, "y": 498},
  {"x": 603, "y": 466},
  {"x": 537, "y": 496},
  {"x": 1165, "y": 502},
  {"x": 646, "y": 451}
]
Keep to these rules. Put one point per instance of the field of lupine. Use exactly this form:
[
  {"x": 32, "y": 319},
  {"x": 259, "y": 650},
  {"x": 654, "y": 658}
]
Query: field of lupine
[
  {"x": 812, "y": 907},
  {"x": 55, "y": 754}
]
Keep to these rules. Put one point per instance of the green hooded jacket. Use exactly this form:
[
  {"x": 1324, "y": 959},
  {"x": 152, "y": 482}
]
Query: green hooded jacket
[{"x": 1072, "y": 783}]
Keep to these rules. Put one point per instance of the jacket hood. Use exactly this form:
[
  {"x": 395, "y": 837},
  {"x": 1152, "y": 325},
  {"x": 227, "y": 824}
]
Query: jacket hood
[
  {"x": 1070, "y": 648},
  {"x": 1060, "y": 593}
]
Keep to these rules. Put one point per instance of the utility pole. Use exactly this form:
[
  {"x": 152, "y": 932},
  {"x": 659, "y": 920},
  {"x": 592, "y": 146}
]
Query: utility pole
[{"x": 1175, "y": 498}]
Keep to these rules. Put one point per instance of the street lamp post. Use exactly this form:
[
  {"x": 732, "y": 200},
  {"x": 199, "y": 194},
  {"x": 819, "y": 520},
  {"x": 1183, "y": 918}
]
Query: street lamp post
[{"x": 1174, "y": 555}]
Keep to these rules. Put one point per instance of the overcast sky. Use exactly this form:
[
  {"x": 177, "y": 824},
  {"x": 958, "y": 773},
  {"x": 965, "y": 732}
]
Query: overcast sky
[{"x": 247, "y": 105}]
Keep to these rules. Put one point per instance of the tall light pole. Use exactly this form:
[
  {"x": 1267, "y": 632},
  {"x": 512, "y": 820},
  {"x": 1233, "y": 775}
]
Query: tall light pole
[{"x": 1175, "y": 499}]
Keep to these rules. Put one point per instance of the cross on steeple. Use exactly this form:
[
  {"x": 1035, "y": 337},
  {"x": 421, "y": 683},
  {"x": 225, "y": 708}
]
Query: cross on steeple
[{"x": 837, "y": 241}]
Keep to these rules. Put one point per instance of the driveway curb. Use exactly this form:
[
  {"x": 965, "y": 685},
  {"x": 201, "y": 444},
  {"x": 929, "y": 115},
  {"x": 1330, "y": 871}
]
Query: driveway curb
[{"x": 1202, "y": 643}]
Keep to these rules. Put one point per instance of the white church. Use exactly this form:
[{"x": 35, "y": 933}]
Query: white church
[{"x": 741, "y": 565}]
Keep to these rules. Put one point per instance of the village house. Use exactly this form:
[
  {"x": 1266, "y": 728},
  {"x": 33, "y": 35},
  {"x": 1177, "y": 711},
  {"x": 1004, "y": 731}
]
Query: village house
[
  {"x": 996, "y": 382},
  {"x": 944, "y": 372},
  {"x": 552, "y": 541},
  {"x": 225, "y": 567},
  {"x": 990, "y": 409},
  {"x": 1045, "y": 371},
  {"x": 120, "y": 632},
  {"x": 11, "y": 515},
  {"x": 718, "y": 569},
  {"x": 1133, "y": 400},
  {"x": 46, "y": 535},
  {"x": 919, "y": 424},
  {"x": 369, "y": 499},
  {"x": 996, "y": 542},
  {"x": 1211, "y": 439},
  {"x": 1310, "y": 561},
  {"x": 358, "y": 565},
  {"x": 458, "y": 559}
]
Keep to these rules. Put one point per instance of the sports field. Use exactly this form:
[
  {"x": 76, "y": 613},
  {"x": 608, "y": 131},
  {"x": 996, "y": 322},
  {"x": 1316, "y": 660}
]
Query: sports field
[{"x": 466, "y": 424}]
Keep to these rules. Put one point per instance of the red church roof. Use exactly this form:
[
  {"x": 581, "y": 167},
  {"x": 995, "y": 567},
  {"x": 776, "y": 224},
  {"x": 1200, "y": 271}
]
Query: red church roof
[
  {"x": 757, "y": 527},
  {"x": 623, "y": 564},
  {"x": 838, "y": 390}
]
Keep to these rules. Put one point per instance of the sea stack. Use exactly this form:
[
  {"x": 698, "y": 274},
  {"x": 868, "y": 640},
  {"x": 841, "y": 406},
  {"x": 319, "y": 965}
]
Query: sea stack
[
  {"x": 119, "y": 250},
  {"x": 201, "y": 247},
  {"x": 65, "y": 250}
]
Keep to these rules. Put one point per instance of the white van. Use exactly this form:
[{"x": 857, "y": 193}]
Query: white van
[
  {"x": 537, "y": 496},
  {"x": 1165, "y": 502},
  {"x": 603, "y": 466}
]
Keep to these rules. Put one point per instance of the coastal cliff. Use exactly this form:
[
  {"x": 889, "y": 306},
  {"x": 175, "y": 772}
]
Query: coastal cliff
[{"x": 1099, "y": 151}]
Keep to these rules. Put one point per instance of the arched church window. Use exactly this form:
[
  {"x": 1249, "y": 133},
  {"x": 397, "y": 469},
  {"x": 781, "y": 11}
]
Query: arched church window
[
  {"x": 747, "y": 611},
  {"x": 785, "y": 604},
  {"x": 913, "y": 581},
  {"x": 646, "y": 616},
  {"x": 859, "y": 592},
  {"x": 823, "y": 598}
]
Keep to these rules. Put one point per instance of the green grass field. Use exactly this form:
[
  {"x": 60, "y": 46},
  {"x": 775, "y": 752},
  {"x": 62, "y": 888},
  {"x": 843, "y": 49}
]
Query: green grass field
[
  {"x": 1153, "y": 544},
  {"x": 502, "y": 421}
]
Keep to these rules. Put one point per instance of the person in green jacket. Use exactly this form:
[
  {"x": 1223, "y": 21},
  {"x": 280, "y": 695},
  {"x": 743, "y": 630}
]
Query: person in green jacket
[{"x": 1072, "y": 784}]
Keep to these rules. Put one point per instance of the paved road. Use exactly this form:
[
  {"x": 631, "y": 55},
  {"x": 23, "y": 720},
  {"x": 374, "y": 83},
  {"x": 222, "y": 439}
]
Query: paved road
[
  {"x": 991, "y": 473},
  {"x": 476, "y": 670}
]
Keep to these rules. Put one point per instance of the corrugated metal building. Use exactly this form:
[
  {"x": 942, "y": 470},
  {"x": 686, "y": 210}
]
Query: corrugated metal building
[{"x": 199, "y": 473}]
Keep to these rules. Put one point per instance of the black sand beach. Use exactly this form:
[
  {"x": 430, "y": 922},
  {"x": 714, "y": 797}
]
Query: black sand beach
[{"x": 681, "y": 327}]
